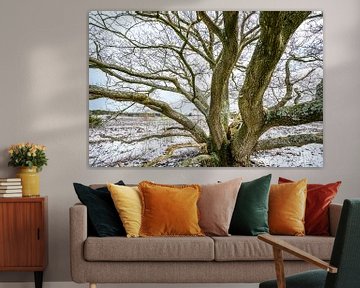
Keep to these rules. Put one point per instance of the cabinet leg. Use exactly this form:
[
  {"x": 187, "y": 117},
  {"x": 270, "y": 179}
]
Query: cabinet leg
[{"x": 38, "y": 279}]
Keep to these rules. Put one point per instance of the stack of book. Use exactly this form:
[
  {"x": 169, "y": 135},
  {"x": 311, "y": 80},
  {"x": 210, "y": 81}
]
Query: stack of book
[{"x": 10, "y": 187}]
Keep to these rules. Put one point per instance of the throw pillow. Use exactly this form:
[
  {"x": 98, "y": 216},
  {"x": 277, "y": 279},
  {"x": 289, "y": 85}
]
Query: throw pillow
[
  {"x": 287, "y": 208},
  {"x": 128, "y": 204},
  {"x": 216, "y": 206},
  {"x": 169, "y": 210},
  {"x": 319, "y": 197},
  {"x": 102, "y": 214},
  {"x": 250, "y": 215}
]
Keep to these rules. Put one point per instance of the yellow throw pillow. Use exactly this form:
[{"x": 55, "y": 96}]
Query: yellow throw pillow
[
  {"x": 287, "y": 204},
  {"x": 127, "y": 201},
  {"x": 169, "y": 210}
]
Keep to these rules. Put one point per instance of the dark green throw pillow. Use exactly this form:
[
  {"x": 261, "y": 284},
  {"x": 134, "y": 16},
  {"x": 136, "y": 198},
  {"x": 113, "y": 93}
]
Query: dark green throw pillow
[
  {"x": 103, "y": 219},
  {"x": 250, "y": 216}
]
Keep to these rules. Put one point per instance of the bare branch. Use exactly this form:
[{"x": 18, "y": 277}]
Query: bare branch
[
  {"x": 107, "y": 138},
  {"x": 94, "y": 63},
  {"x": 108, "y": 68},
  {"x": 140, "y": 81},
  {"x": 289, "y": 84},
  {"x": 169, "y": 152},
  {"x": 291, "y": 140},
  {"x": 178, "y": 31},
  {"x": 199, "y": 134},
  {"x": 210, "y": 24},
  {"x": 302, "y": 113}
]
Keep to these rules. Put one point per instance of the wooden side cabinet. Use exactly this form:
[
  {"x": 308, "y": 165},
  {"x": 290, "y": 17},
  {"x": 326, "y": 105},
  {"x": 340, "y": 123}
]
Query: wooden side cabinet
[{"x": 23, "y": 235}]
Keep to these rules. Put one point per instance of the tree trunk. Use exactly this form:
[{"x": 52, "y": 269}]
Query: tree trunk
[
  {"x": 276, "y": 30},
  {"x": 218, "y": 119}
]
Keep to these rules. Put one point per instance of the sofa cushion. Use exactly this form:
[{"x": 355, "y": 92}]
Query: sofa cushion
[
  {"x": 127, "y": 201},
  {"x": 287, "y": 204},
  {"x": 250, "y": 215},
  {"x": 216, "y": 206},
  {"x": 149, "y": 249},
  {"x": 169, "y": 210},
  {"x": 102, "y": 216},
  {"x": 245, "y": 248}
]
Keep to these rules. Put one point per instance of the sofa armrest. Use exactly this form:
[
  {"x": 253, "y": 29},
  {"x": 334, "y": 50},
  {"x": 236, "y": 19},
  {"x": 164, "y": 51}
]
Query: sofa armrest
[
  {"x": 78, "y": 235},
  {"x": 334, "y": 217}
]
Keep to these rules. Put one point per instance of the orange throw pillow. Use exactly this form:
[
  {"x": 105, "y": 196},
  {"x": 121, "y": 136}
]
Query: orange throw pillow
[
  {"x": 287, "y": 204},
  {"x": 318, "y": 200},
  {"x": 169, "y": 210}
]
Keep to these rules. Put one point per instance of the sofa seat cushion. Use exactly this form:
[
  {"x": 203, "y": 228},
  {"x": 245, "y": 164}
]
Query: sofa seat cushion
[
  {"x": 149, "y": 249},
  {"x": 244, "y": 248}
]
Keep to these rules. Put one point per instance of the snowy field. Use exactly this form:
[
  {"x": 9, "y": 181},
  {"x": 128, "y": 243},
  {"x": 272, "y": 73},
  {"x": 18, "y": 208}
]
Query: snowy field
[{"x": 119, "y": 143}]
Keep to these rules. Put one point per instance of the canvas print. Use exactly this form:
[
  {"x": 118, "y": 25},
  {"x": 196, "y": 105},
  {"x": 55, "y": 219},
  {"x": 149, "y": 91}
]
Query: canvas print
[{"x": 205, "y": 88}]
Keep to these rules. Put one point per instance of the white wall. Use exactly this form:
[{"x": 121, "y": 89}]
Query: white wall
[{"x": 43, "y": 90}]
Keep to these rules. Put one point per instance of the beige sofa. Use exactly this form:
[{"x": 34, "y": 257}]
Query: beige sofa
[{"x": 234, "y": 259}]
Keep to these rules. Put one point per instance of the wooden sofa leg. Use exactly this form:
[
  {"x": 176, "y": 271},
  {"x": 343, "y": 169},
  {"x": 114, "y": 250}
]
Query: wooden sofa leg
[{"x": 92, "y": 285}]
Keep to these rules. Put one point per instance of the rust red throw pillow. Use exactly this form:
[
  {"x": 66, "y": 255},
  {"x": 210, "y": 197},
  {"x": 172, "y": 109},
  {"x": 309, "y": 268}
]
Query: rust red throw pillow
[{"x": 319, "y": 197}]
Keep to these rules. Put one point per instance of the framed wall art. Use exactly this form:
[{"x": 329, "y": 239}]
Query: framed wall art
[{"x": 205, "y": 88}]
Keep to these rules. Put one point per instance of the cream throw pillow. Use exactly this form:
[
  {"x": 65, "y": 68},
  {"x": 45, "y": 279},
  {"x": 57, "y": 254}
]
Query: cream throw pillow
[{"x": 127, "y": 201}]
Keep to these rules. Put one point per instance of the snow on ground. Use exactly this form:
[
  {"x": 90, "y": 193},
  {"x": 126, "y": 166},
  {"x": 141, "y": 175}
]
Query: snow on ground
[
  {"x": 118, "y": 153},
  {"x": 122, "y": 151},
  {"x": 281, "y": 131},
  {"x": 310, "y": 155}
]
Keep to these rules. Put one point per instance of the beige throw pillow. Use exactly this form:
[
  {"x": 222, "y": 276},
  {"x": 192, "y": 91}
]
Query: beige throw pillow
[{"x": 216, "y": 206}]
